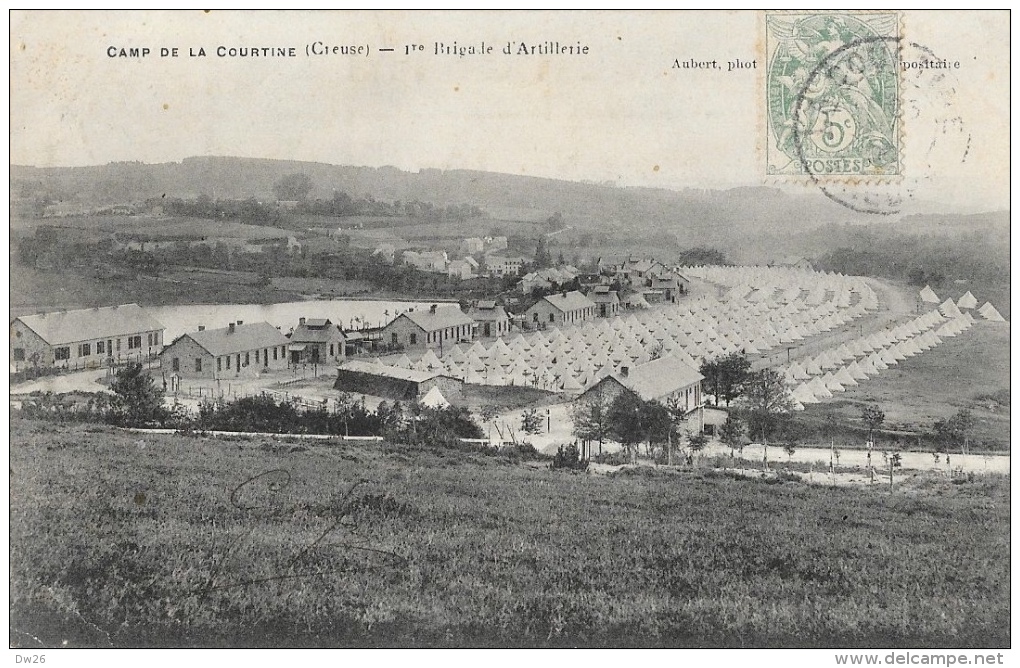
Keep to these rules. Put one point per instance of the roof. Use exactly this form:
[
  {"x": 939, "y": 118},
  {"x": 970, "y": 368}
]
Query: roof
[
  {"x": 670, "y": 278},
  {"x": 642, "y": 265},
  {"x": 244, "y": 337},
  {"x": 570, "y": 301},
  {"x": 614, "y": 260},
  {"x": 658, "y": 378},
  {"x": 449, "y": 316},
  {"x": 488, "y": 313},
  {"x": 400, "y": 373},
  {"x": 313, "y": 323},
  {"x": 604, "y": 296},
  {"x": 92, "y": 323},
  {"x": 306, "y": 333}
]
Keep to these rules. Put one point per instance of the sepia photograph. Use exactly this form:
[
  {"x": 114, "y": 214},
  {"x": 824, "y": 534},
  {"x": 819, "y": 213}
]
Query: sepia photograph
[{"x": 684, "y": 330}]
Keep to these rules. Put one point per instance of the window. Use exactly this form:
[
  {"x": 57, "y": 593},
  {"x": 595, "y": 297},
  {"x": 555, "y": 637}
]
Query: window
[
  {"x": 19, "y": 354},
  {"x": 488, "y": 331},
  {"x": 552, "y": 318},
  {"x": 276, "y": 353},
  {"x": 413, "y": 339},
  {"x": 247, "y": 359},
  {"x": 134, "y": 342},
  {"x": 393, "y": 338},
  {"x": 228, "y": 362},
  {"x": 256, "y": 357},
  {"x": 100, "y": 347},
  {"x": 198, "y": 363},
  {"x": 118, "y": 345},
  {"x": 331, "y": 350},
  {"x": 219, "y": 364},
  {"x": 155, "y": 338},
  {"x": 534, "y": 316},
  {"x": 149, "y": 339},
  {"x": 63, "y": 353},
  {"x": 175, "y": 364},
  {"x": 265, "y": 356},
  {"x": 84, "y": 349}
]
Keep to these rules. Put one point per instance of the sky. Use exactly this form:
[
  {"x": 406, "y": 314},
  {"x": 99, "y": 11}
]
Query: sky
[{"x": 620, "y": 114}]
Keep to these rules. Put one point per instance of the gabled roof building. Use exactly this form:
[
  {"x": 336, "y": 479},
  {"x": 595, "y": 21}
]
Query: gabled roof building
[
  {"x": 564, "y": 308},
  {"x": 84, "y": 337},
  {"x": 659, "y": 380},
  {"x": 317, "y": 341},
  {"x": 230, "y": 351},
  {"x": 437, "y": 327},
  {"x": 490, "y": 319}
]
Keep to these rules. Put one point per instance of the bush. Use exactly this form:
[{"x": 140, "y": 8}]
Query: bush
[
  {"x": 569, "y": 457},
  {"x": 137, "y": 401},
  {"x": 618, "y": 458}
]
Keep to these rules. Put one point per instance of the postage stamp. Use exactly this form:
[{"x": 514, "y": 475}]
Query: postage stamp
[{"x": 833, "y": 95}]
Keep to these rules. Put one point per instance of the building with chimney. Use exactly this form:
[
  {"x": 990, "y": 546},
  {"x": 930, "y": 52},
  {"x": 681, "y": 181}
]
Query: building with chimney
[
  {"x": 317, "y": 341},
  {"x": 438, "y": 327},
  {"x": 227, "y": 352}
]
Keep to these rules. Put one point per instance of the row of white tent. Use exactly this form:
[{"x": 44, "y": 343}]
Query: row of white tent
[
  {"x": 967, "y": 302},
  {"x": 575, "y": 358},
  {"x": 791, "y": 305},
  {"x": 834, "y": 370}
]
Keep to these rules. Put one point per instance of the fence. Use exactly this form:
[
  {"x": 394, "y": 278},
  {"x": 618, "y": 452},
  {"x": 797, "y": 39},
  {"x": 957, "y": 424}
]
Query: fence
[{"x": 24, "y": 371}]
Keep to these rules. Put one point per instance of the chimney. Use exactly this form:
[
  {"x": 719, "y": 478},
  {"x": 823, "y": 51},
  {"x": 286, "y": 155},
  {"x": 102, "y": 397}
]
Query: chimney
[
  {"x": 230, "y": 328},
  {"x": 201, "y": 328},
  {"x": 301, "y": 322},
  {"x": 564, "y": 294},
  {"x": 240, "y": 322},
  {"x": 432, "y": 309},
  {"x": 624, "y": 371}
]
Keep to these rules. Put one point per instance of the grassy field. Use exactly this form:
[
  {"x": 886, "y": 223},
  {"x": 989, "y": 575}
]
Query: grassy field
[
  {"x": 122, "y": 539},
  {"x": 969, "y": 371}
]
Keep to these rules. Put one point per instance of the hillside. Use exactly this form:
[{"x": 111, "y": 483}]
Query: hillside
[{"x": 697, "y": 210}]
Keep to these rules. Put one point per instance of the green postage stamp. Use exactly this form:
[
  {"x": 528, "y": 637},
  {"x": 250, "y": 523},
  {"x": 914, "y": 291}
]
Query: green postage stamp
[{"x": 833, "y": 95}]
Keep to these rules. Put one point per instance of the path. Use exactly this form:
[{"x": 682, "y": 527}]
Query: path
[
  {"x": 80, "y": 381},
  {"x": 895, "y": 306}
]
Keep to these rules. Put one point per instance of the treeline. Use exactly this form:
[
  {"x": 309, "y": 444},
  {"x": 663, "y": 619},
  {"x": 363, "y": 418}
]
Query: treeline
[
  {"x": 921, "y": 259},
  {"x": 255, "y": 212}
]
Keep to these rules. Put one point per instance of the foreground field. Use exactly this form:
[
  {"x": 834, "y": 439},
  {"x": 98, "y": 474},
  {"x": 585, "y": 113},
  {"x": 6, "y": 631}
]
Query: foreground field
[{"x": 125, "y": 540}]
